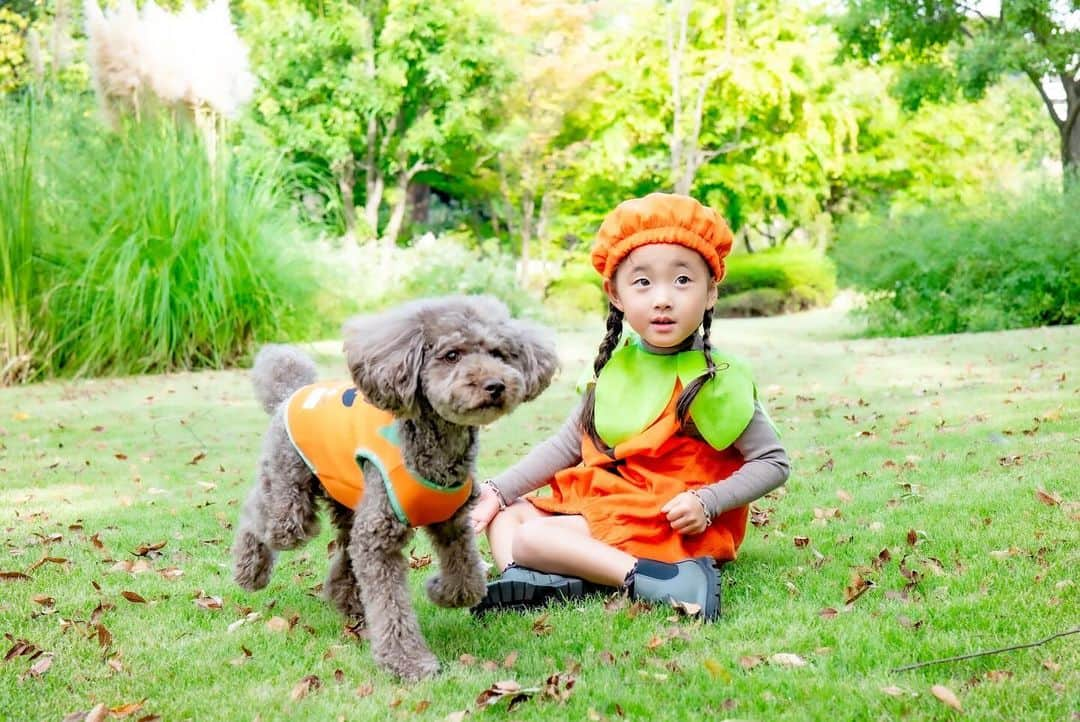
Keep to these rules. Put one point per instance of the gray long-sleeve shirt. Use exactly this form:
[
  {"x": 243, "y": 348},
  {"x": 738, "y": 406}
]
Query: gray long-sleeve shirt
[{"x": 766, "y": 464}]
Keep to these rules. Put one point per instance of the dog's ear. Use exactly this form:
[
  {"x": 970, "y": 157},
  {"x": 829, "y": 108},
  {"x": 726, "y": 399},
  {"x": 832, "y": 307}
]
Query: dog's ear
[
  {"x": 536, "y": 357},
  {"x": 385, "y": 353}
]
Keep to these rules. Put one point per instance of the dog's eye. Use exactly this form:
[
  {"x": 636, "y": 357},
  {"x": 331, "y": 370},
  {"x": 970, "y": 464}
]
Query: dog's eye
[
  {"x": 499, "y": 355},
  {"x": 452, "y": 357}
]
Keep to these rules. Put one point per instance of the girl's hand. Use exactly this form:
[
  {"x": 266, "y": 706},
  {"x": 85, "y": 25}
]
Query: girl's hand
[
  {"x": 485, "y": 509},
  {"x": 685, "y": 513}
]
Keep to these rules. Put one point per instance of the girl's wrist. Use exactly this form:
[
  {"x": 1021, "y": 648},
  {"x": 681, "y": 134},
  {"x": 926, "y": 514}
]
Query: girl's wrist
[
  {"x": 490, "y": 484},
  {"x": 704, "y": 507}
]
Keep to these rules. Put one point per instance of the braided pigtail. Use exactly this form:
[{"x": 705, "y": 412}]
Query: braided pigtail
[
  {"x": 686, "y": 398},
  {"x": 603, "y": 355}
]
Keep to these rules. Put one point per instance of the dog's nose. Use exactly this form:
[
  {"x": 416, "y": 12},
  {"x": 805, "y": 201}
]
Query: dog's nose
[{"x": 494, "y": 388}]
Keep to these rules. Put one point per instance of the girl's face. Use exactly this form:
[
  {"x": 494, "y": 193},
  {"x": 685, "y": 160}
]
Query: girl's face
[{"x": 664, "y": 290}]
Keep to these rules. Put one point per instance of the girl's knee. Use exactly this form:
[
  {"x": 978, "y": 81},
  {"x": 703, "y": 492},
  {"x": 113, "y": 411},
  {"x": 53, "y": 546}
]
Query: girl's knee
[{"x": 529, "y": 542}]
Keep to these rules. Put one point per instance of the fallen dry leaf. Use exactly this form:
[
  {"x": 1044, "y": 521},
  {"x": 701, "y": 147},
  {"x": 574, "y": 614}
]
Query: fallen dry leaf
[
  {"x": 13, "y": 576},
  {"x": 458, "y": 716},
  {"x": 144, "y": 550},
  {"x": 1048, "y": 498},
  {"x": 787, "y": 659},
  {"x": 133, "y": 597},
  {"x": 208, "y": 603},
  {"x": 828, "y": 613},
  {"x": 365, "y": 690},
  {"x": 39, "y": 667},
  {"x": 416, "y": 562},
  {"x": 947, "y": 696},
  {"x": 999, "y": 675},
  {"x": 244, "y": 657},
  {"x": 690, "y": 609},
  {"x": 97, "y": 714},
  {"x": 277, "y": 624},
  {"x": 126, "y": 710},
  {"x": 857, "y": 588},
  {"x": 497, "y": 691},
  {"x": 306, "y": 685},
  {"x": 510, "y": 660},
  {"x": 104, "y": 636},
  {"x": 750, "y": 661},
  {"x": 893, "y": 691},
  {"x": 800, "y": 541},
  {"x": 541, "y": 626}
]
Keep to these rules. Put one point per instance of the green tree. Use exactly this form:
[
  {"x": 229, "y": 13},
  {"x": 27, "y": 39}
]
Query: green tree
[
  {"x": 555, "y": 44},
  {"x": 730, "y": 101},
  {"x": 950, "y": 45},
  {"x": 375, "y": 93}
]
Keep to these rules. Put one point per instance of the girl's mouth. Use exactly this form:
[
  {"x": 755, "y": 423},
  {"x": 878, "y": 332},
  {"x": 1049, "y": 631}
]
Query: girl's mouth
[{"x": 662, "y": 324}]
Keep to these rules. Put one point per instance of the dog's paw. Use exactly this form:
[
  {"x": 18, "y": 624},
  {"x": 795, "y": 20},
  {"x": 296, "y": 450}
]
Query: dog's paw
[
  {"x": 252, "y": 562},
  {"x": 413, "y": 667},
  {"x": 455, "y": 592}
]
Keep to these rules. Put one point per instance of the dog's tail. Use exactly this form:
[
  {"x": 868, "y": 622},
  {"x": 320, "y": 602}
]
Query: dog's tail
[{"x": 278, "y": 371}]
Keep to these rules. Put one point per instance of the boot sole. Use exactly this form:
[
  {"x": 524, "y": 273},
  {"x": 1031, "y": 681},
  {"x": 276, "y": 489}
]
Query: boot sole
[
  {"x": 711, "y": 567},
  {"x": 503, "y": 594}
]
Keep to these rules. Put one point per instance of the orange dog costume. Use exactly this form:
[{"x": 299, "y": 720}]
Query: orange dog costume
[{"x": 334, "y": 430}]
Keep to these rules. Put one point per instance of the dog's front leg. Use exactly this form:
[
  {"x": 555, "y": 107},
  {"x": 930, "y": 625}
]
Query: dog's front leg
[
  {"x": 381, "y": 569},
  {"x": 461, "y": 580}
]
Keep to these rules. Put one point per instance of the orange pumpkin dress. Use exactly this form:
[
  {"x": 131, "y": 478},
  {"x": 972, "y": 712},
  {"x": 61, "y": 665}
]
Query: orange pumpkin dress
[{"x": 620, "y": 497}]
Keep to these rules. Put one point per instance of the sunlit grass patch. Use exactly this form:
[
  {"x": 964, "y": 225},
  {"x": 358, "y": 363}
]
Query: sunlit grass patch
[{"x": 931, "y": 513}]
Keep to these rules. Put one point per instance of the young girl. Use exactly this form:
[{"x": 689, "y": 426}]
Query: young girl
[{"x": 652, "y": 474}]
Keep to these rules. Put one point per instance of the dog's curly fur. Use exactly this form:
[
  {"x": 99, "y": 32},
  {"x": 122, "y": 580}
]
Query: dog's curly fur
[{"x": 442, "y": 367}]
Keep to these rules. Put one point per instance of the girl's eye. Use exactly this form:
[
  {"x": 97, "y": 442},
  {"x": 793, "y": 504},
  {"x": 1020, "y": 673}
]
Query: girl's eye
[
  {"x": 682, "y": 280},
  {"x": 641, "y": 282},
  {"x": 452, "y": 356}
]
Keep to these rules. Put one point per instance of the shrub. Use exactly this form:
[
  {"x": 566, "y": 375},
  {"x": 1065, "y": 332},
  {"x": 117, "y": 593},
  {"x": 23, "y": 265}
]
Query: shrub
[
  {"x": 1005, "y": 263},
  {"x": 577, "y": 290},
  {"x": 19, "y": 217},
  {"x": 148, "y": 257},
  {"x": 777, "y": 280},
  {"x": 445, "y": 265}
]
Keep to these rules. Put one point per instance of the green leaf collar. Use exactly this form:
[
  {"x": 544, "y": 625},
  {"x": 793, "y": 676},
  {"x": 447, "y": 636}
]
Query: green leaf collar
[{"x": 635, "y": 386}]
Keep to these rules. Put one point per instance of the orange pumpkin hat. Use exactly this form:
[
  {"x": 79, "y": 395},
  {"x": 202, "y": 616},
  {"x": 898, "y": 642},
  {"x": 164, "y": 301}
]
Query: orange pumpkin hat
[{"x": 661, "y": 218}]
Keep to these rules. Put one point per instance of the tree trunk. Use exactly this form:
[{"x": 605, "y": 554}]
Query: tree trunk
[
  {"x": 397, "y": 213},
  {"x": 420, "y": 202},
  {"x": 528, "y": 213},
  {"x": 676, "y": 50},
  {"x": 401, "y": 204},
  {"x": 1070, "y": 139},
  {"x": 345, "y": 170},
  {"x": 496, "y": 227},
  {"x": 374, "y": 182}
]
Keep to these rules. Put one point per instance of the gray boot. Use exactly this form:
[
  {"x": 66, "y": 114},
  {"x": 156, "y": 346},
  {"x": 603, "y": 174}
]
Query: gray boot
[
  {"x": 696, "y": 581},
  {"x": 521, "y": 587}
]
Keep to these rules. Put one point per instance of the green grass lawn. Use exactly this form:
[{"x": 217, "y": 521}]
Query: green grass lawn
[{"x": 935, "y": 485}]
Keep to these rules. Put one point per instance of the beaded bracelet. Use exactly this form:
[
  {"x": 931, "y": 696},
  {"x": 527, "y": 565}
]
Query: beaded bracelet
[
  {"x": 490, "y": 483},
  {"x": 704, "y": 508}
]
